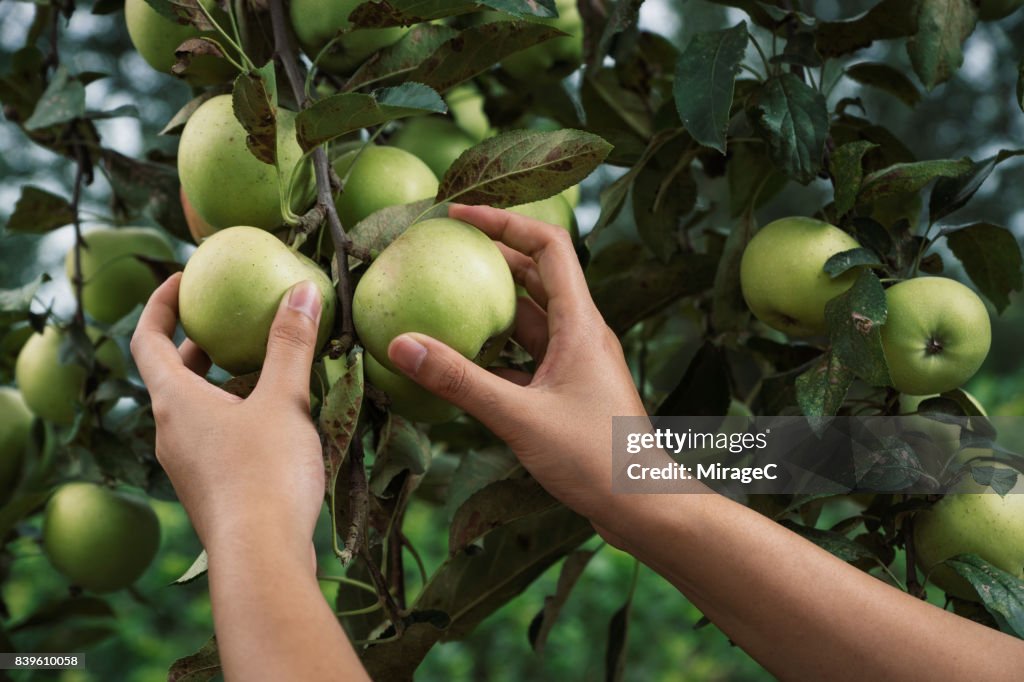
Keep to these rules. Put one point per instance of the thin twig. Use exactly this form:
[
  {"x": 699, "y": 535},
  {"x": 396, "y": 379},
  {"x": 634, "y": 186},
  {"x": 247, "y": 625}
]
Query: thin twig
[
  {"x": 394, "y": 613},
  {"x": 76, "y": 195},
  {"x": 324, "y": 193}
]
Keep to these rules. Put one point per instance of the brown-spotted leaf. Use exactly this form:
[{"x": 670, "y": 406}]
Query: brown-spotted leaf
[
  {"x": 521, "y": 166},
  {"x": 254, "y": 100},
  {"x": 402, "y": 447},
  {"x": 191, "y": 48},
  {"x": 403, "y": 57},
  {"x": 340, "y": 114},
  {"x": 339, "y": 415},
  {"x": 495, "y": 505},
  {"x": 201, "y": 666},
  {"x": 476, "y": 49}
]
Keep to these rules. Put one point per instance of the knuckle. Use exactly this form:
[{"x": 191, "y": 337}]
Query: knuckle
[
  {"x": 454, "y": 380},
  {"x": 291, "y": 336}
]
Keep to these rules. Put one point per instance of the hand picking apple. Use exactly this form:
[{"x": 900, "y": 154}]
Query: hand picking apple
[{"x": 223, "y": 452}]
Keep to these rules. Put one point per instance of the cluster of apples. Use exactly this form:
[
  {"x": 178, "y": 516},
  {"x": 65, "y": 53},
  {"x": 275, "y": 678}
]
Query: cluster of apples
[
  {"x": 935, "y": 338},
  {"x": 100, "y": 539},
  {"x": 937, "y": 333},
  {"x": 441, "y": 277}
]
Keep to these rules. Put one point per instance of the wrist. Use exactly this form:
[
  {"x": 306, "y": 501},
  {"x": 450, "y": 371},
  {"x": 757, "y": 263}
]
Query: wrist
[{"x": 255, "y": 537}]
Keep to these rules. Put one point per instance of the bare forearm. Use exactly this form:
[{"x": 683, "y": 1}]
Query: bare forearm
[
  {"x": 798, "y": 610},
  {"x": 271, "y": 619}
]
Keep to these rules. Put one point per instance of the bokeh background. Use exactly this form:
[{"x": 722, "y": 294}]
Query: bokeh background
[{"x": 976, "y": 114}]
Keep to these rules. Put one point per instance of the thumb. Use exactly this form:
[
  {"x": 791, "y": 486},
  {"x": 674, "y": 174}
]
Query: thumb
[
  {"x": 447, "y": 374},
  {"x": 292, "y": 343}
]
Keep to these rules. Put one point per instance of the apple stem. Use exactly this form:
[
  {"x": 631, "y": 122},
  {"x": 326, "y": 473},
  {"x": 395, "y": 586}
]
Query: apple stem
[{"x": 285, "y": 53}]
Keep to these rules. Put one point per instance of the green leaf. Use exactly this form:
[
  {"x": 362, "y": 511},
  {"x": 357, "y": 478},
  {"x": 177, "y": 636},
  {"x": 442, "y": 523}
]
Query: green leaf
[
  {"x": 753, "y": 178},
  {"x": 936, "y": 49},
  {"x": 402, "y": 58},
  {"x": 522, "y": 166},
  {"x": 23, "y": 85},
  {"x": 542, "y": 9},
  {"x": 792, "y": 118},
  {"x": 834, "y": 543},
  {"x": 628, "y": 286},
  {"x": 39, "y": 211},
  {"x": 62, "y": 102},
  {"x": 847, "y": 260},
  {"x": 402, "y": 448},
  {"x": 339, "y": 115},
  {"x": 992, "y": 259},
  {"x": 705, "y": 81},
  {"x": 854, "y": 319},
  {"x": 910, "y": 177},
  {"x": 544, "y": 621},
  {"x": 494, "y": 506},
  {"x": 201, "y": 666},
  {"x": 848, "y": 173},
  {"x": 663, "y": 194},
  {"x": 198, "y": 568},
  {"x": 614, "y": 195},
  {"x": 820, "y": 390},
  {"x": 887, "y": 20},
  {"x": 57, "y": 613},
  {"x": 477, "y": 48},
  {"x": 952, "y": 194},
  {"x": 254, "y": 100},
  {"x": 339, "y": 415},
  {"x": 1000, "y": 592},
  {"x": 15, "y": 303},
  {"x": 887, "y": 79}
]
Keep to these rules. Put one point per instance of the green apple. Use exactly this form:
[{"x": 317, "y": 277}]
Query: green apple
[
  {"x": 572, "y": 195},
  {"x": 225, "y": 183},
  {"x": 231, "y": 289},
  {"x": 936, "y": 336},
  {"x": 553, "y": 211},
  {"x": 992, "y": 10},
  {"x": 378, "y": 177},
  {"x": 51, "y": 388},
  {"x": 466, "y": 105},
  {"x": 442, "y": 278},
  {"x": 316, "y": 22},
  {"x": 197, "y": 227},
  {"x": 971, "y": 522},
  {"x": 435, "y": 139},
  {"x": 408, "y": 398},
  {"x": 115, "y": 281},
  {"x": 100, "y": 539},
  {"x": 554, "y": 58},
  {"x": 782, "y": 274},
  {"x": 15, "y": 432},
  {"x": 156, "y": 38}
]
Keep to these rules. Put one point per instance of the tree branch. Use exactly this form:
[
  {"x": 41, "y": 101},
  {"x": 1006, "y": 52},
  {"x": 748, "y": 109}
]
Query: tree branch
[{"x": 285, "y": 54}]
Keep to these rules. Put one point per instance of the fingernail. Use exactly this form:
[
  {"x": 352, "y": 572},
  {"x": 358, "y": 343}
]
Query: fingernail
[
  {"x": 305, "y": 298},
  {"x": 407, "y": 353}
]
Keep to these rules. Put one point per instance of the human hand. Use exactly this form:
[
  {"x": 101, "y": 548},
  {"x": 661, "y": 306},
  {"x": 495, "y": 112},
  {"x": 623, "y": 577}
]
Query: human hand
[
  {"x": 245, "y": 470},
  {"x": 557, "y": 421}
]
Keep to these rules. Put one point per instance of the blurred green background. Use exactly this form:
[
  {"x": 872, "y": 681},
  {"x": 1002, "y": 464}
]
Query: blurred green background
[{"x": 973, "y": 115}]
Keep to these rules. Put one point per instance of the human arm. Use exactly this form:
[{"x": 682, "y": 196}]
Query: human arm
[
  {"x": 250, "y": 475},
  {"x": 798, "y": 610}
]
